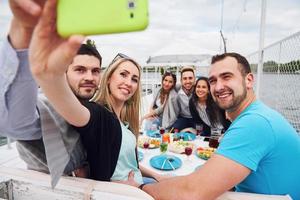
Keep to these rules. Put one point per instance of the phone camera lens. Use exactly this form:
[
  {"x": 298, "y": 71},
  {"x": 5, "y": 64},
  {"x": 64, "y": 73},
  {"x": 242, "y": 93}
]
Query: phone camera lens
[{"x": 131, "y": 4}]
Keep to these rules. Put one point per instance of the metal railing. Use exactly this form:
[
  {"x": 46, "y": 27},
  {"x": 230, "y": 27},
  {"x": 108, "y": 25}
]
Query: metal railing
[{"x": 280, "y": 77}]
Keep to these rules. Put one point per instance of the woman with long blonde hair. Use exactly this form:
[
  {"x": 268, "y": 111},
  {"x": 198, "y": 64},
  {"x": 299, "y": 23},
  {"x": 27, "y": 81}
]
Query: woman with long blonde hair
[{"x": 130, "y": 110}]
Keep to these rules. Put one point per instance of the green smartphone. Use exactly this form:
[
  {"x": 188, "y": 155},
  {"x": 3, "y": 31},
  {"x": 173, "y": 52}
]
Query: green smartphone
[{"x": 92, "y": 17}]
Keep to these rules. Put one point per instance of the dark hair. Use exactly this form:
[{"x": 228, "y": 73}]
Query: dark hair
[
  {"x": 87, "y": 49},
  {"x": 242, "y": 61},
  {"x": 163, "y": 94},
  {"x": 187, "y": 69},
  {"x": 214, "y": 113},
  {"x": 169, "y": 74}
]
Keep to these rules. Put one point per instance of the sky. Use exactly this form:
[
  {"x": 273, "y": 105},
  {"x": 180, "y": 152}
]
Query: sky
[{"x": 193, "y": 27}]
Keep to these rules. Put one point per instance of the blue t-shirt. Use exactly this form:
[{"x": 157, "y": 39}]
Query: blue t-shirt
[{"x": 262, "y": 140}]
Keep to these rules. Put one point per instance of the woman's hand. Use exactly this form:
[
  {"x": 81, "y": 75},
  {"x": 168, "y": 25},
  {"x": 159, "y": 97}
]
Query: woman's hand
[{"x": 130, "y": 180}]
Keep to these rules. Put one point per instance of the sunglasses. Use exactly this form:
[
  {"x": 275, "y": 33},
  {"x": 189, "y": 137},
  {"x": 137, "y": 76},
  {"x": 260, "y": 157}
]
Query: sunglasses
[
  {"x": 123, "y": 56},
  {"x": 119, "y": 56}
]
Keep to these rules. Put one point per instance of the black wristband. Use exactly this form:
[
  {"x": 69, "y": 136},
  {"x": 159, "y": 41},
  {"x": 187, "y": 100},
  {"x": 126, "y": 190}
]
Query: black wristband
[{"x": 142, "y": 185}]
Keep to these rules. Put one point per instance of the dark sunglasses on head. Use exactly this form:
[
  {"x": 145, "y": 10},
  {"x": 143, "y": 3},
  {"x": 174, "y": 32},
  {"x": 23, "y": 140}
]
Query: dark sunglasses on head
[{"x": 118, "y": 56}]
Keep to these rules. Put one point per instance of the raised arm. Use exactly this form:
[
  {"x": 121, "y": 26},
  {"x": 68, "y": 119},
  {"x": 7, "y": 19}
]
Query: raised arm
[
  {"x": 18, "y": 90},
  {"x": 50, "y": 56}
]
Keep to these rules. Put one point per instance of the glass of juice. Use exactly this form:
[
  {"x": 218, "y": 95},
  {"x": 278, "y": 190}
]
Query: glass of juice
[{"x": 166, "y": 138}]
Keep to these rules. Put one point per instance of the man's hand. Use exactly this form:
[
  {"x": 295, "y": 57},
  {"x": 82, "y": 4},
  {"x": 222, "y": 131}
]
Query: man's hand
[
  {"x": 49, "y": 53},
  {"x": 26, "y": 15},
  {"x": 160, "y": 177},
  {"x": 26, "y": 12}
]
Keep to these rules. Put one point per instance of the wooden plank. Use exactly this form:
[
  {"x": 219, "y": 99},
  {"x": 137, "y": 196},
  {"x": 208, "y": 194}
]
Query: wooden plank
[{"x": 32, "y": 185}]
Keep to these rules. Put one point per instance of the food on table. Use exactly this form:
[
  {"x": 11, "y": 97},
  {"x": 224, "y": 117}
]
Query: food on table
[
  {"x": 179, "y": 146},
  {"x": 205, "y": 152},
  {"x": 153, "y": 142}
]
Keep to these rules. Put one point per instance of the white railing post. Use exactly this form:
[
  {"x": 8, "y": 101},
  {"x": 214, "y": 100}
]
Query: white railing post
[
  {"x": 261, "y": 44},
  {"x": 8, "y": 143}
]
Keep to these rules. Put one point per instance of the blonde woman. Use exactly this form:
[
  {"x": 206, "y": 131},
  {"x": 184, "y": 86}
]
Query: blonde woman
[{"x": 109, "y": 124}]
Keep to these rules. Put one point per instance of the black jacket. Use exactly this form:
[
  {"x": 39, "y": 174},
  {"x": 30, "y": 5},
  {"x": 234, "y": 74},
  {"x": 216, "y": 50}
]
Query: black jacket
[
  {"x": 101, "y": 138},
  {"x": 206, "y": 128}
]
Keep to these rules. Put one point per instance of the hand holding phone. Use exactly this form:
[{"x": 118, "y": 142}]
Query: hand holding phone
[{"x": 92, "y": 17}]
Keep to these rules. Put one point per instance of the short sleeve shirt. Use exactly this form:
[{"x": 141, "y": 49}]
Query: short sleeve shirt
[{"x": 263, "y": 141}]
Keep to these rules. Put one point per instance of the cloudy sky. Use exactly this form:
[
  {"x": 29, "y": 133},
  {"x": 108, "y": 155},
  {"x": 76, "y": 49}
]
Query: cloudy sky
[{"x": 192, "y": 26}]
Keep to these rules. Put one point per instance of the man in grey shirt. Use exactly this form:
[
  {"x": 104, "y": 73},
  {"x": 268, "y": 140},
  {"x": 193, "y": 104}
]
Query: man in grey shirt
[
  {"x": 44, "y": 140},
  {"x": 184, "y": 118}
]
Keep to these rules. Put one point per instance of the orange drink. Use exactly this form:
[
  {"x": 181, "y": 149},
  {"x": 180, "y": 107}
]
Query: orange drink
[{"x": 166, "y": 138}]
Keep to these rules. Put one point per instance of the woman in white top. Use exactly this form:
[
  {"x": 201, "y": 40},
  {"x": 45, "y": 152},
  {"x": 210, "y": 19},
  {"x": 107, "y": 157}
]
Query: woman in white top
[{"x": 162, "y": 110}]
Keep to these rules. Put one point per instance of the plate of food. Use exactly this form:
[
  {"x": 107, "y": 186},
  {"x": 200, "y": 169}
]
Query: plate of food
[
  {"x": 146, "y": 142},
  {"x": 179, "y": 146},
  {"x": 205, "y": 152}
]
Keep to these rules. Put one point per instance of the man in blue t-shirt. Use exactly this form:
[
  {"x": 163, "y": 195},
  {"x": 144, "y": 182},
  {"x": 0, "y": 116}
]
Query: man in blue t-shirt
[{"x": 259, "y": 153}]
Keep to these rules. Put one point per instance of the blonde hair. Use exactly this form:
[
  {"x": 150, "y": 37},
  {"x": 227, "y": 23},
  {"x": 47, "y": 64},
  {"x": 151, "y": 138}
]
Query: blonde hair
[{"x": 131, "y": 109}]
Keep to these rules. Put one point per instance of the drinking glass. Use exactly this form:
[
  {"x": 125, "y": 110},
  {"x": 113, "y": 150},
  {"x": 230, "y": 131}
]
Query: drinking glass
[
  {"x": 166, "y": 138},
  {"x": 213, "y": 142},
  {"x": 188, "y": 151},
  {"x": 214, "y": 137},
  {"x": 163, "y": 147},
  {"x": 199, "y": 129},
  {"x": 161, "y": 131},
  {"x": 153, "y": 127}
]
